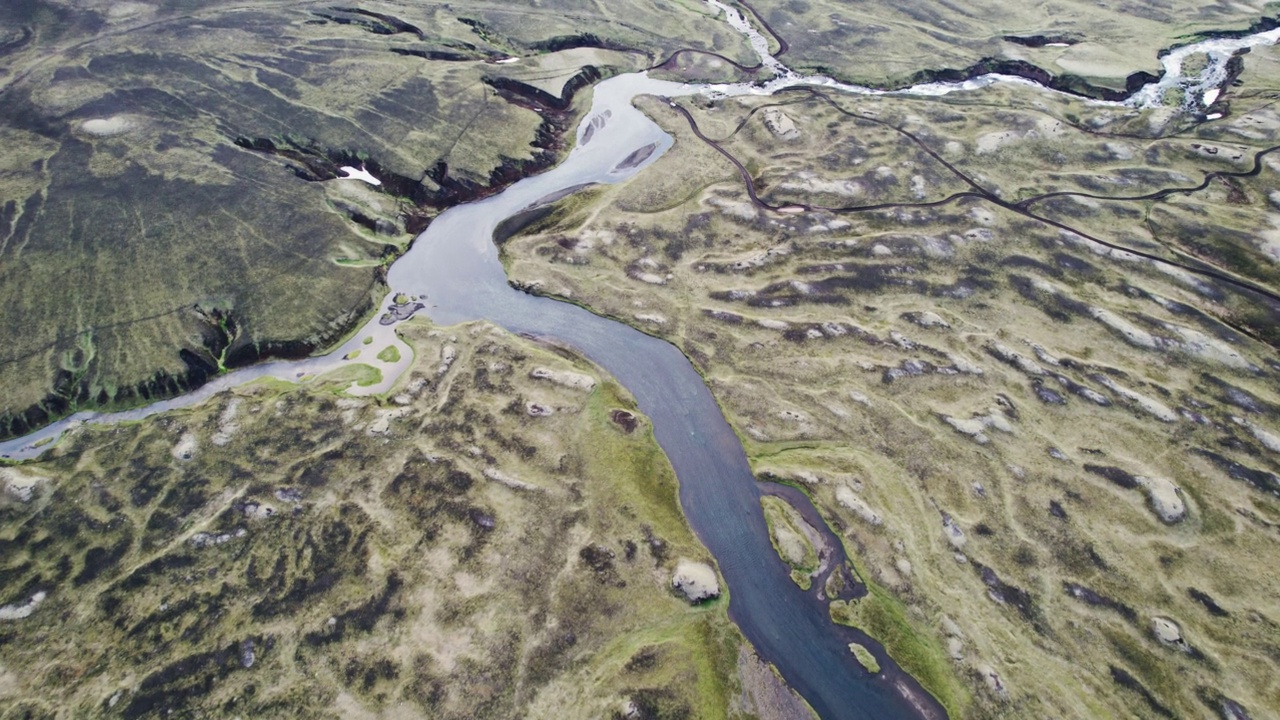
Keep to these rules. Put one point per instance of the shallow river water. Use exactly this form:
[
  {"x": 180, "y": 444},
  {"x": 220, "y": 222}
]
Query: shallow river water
[{"x": 453, "y": 267}]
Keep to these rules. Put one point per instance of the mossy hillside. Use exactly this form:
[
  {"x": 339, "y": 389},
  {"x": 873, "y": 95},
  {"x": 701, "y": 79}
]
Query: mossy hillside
[
  {"x": 938, "y": 377},
  {"x": 207, "y": 144},
  {"x": 279, "y": 550}
]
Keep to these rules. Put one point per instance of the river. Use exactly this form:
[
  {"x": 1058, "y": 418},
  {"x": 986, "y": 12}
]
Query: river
[{"x": 453, "y": 269}]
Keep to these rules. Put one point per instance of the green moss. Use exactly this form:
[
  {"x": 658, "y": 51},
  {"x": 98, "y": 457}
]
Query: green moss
[
  {"x": 177, "y": 571},
  {"x": 804, "y": 580},
  {"x": 342, "y": 378},
  {"x": 1148, "y": 667},
  {"x": 390, "y": 354},
  {"x": 883, "y": 617},
  {"x": 609, "y": 454}
]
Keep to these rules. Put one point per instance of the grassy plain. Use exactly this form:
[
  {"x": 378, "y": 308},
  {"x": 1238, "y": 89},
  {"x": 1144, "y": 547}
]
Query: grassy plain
[
  {"x": 1043, "y": 451},
  {"x": 448, "y": 552}
]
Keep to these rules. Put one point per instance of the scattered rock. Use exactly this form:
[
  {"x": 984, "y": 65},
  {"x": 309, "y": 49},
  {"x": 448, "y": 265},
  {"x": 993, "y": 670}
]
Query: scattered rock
[
  {"x": 976, "y": 426},
  {"x": 1094, "y": 598},
  {"x": 381, "y": 425},
  {"x": 992, "y": 678},
  {"x": 448, "y": 354},
  {"x": 404, "y": 308},
  {"x": 108, "y": 127},
  {"x": 503, "y": 479},
  {"x": 19, "y": 485},
  {"x": 954, "y": 534},
  {"x": 537, "y": 410},
  {"x": 849, "y": 499},
  {"x": 963, "y": 365},
  {"x": 696, "y": 580},
  {"x": 780, "y": 124},
  {"x": 926, "y": 319},
  {"x": 24, "y": 610},
  {"x": 247, "y": 656},
  {"x": 1014, "y": 358},
  {"x": 1161, "y": 411},
  {"x": 567, "y": 378},
  {"x": 288, "y": 495},
  {"x": 625, "y": 420},
  {"x": 1166, "y": 631},
  {"x": 255, "y": 510},
  {"x": 1166, "y": 499},
  {"x": 227, "y": 426},
  {"x": 202, "y": 539},
  {"x": 186, "y": 447}
]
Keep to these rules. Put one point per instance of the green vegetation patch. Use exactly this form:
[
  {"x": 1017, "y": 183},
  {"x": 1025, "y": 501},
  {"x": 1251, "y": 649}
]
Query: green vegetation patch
[
  {"x": 277, "y": 551},
  {"x": 883, "y": 617},
  {"x": 865, "y": 658},
  {"x": 360, "y": 374},
  {"x": 789, "y": 533}
]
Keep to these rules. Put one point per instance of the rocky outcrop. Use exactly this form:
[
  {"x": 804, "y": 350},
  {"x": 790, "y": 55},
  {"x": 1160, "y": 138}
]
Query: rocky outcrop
[{"x": 697, "y": 581}]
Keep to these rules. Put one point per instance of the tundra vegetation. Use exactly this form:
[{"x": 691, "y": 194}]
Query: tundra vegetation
[
  {"x": 488, "y": 542},
  {"x": 1028, "y": 380},
  {"x": 1090, "y": 47},
  {"x": 172, "y": 199},
  {"x": 1019, "y": 349}
]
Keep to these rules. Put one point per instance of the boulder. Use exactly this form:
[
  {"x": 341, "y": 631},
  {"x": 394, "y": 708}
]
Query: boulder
[
  {"x": 1166, "y": 499},
  {"x": 696, "y": 581}
]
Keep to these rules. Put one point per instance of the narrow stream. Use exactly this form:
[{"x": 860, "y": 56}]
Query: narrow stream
[{"x": 453, "y": 269}]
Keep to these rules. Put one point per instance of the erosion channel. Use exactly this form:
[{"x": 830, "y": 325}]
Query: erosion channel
[{"x": 453, "y": 274}]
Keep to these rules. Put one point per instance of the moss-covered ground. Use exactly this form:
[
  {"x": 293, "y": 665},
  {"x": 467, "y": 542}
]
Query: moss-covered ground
[
  {"x": 285, "y": 551},
  {"x": 1037, "y": 446},
  {"x": 171, "y": 192}
]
